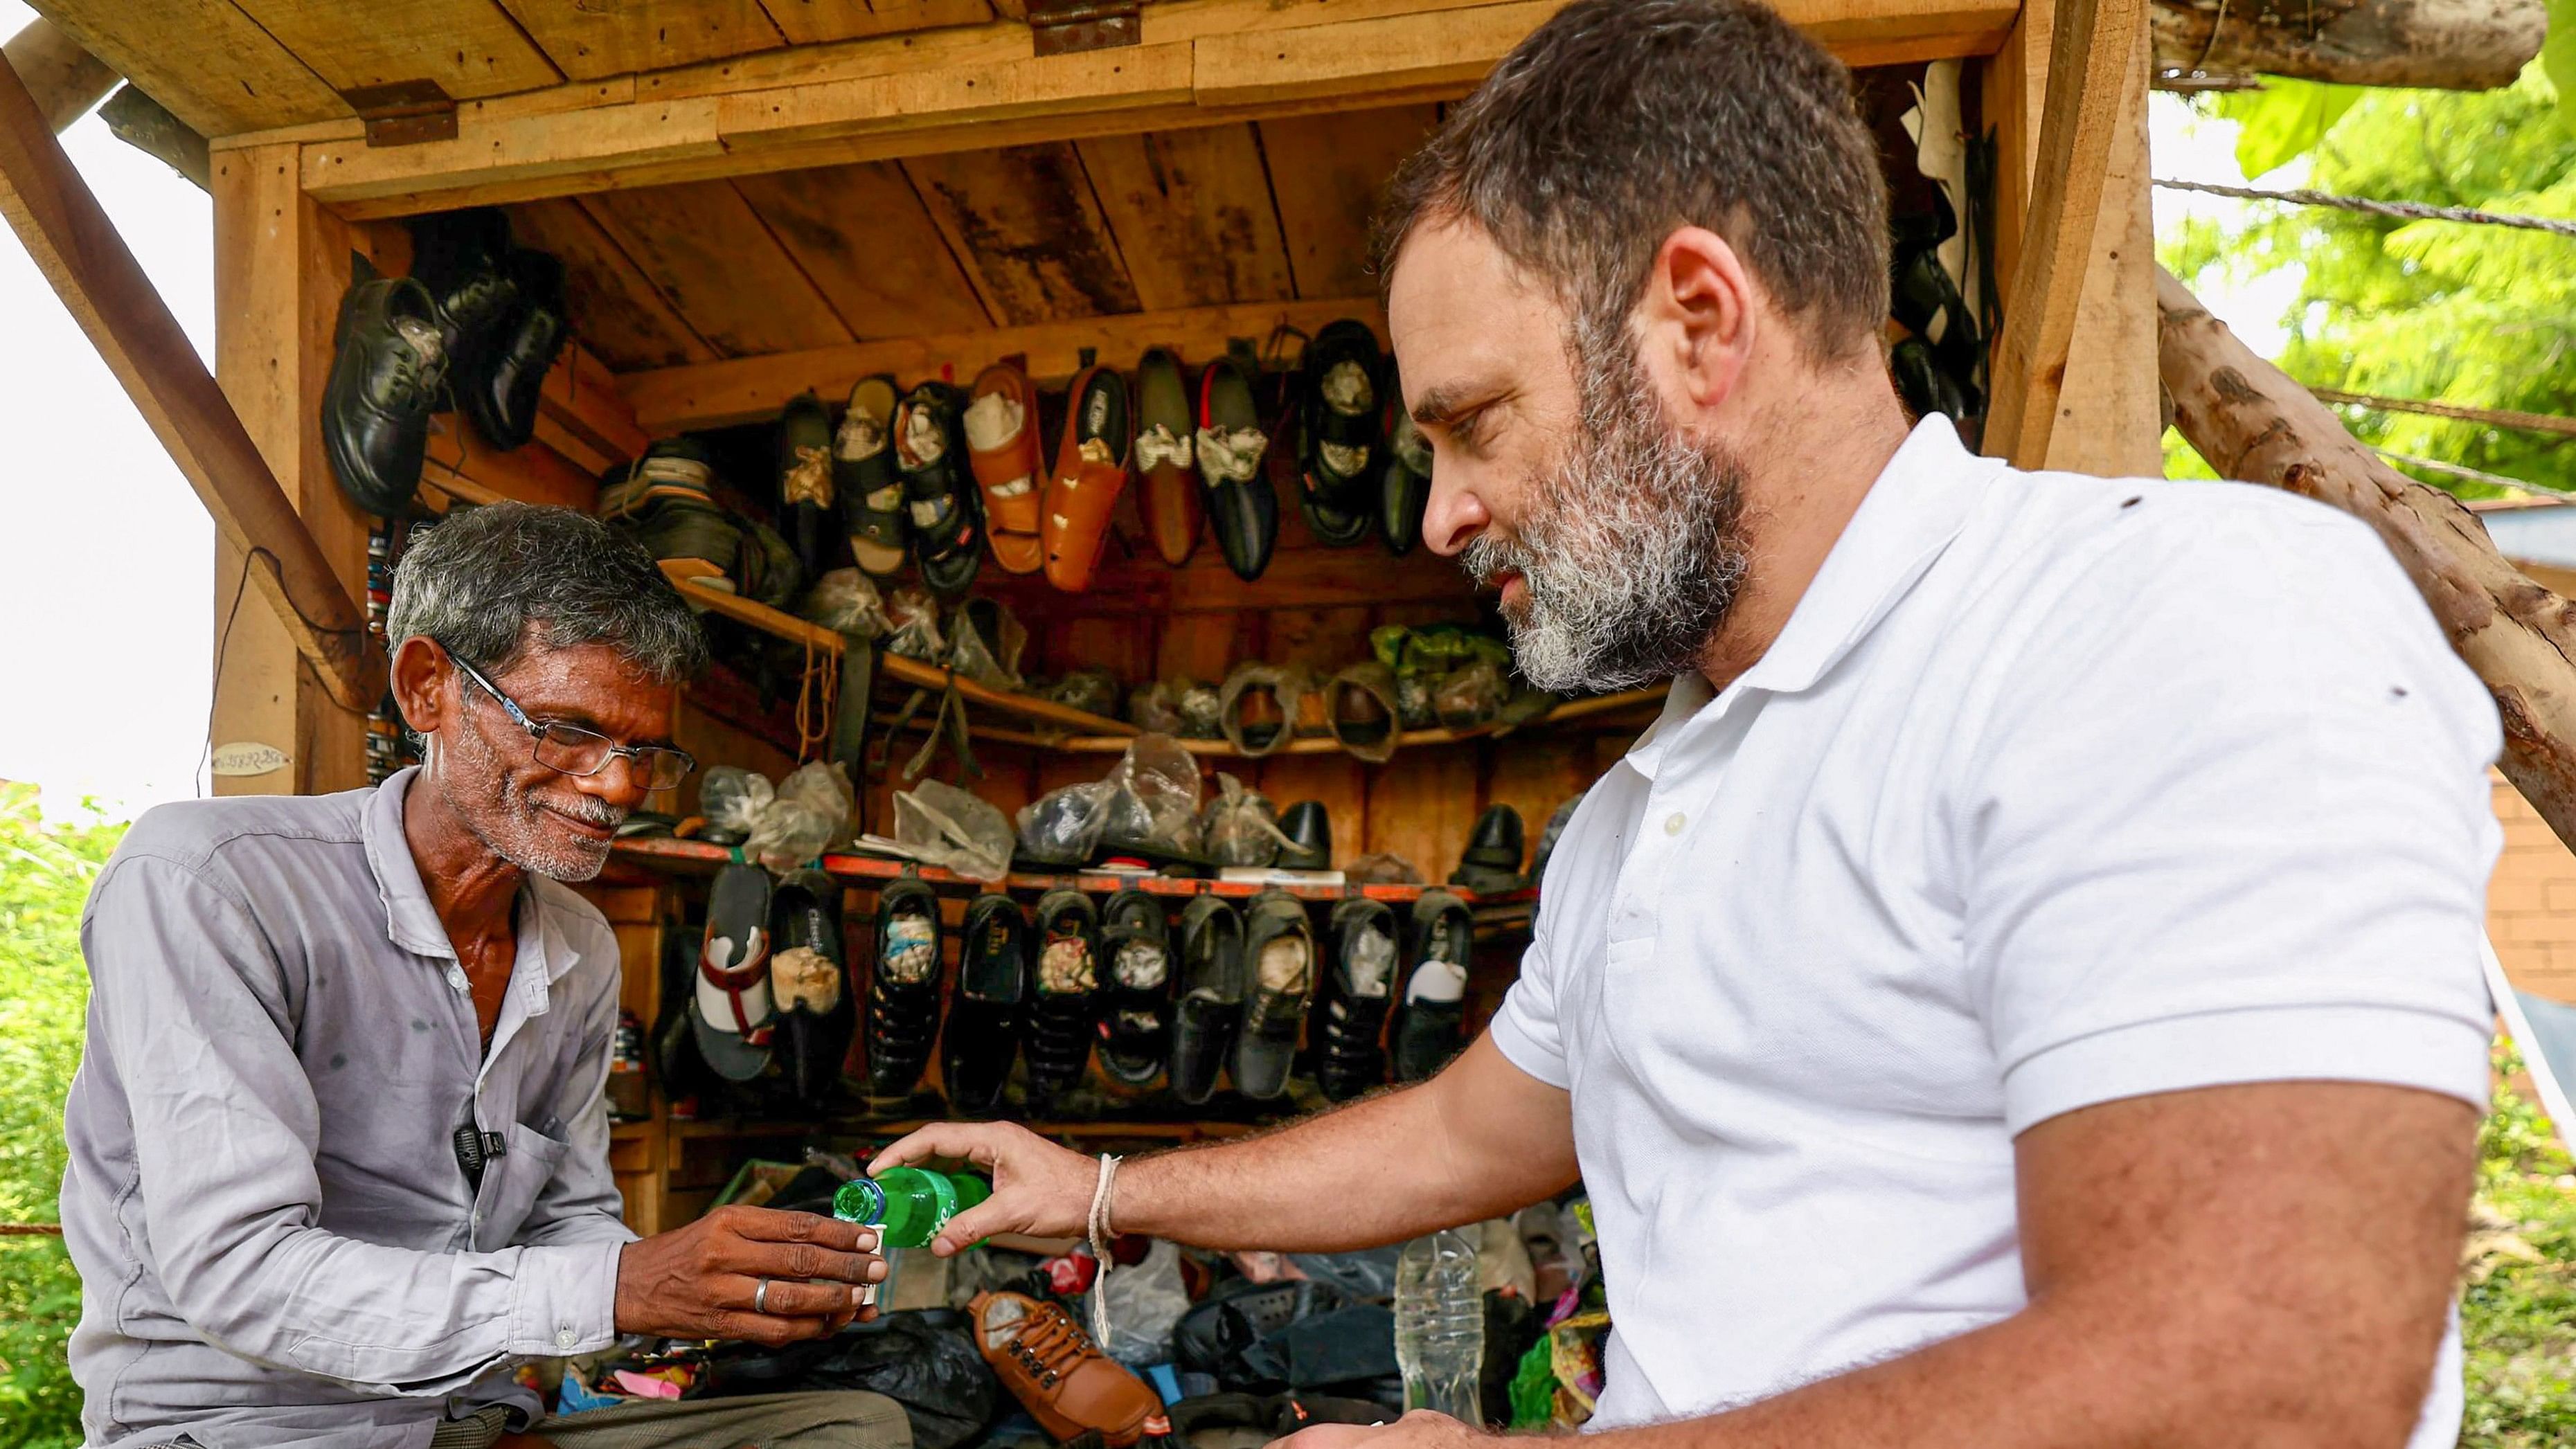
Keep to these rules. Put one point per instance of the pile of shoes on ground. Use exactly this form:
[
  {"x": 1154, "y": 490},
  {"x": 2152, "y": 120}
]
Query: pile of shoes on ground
[
  {"x": 994, "y": 1347},
  {"x": 476, "y": 327}
]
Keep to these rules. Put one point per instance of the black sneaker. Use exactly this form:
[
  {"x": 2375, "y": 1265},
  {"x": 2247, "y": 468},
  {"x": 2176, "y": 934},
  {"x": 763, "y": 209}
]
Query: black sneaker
[
  {"x": 1136, "y": 1000},
  {"x": 388, "y": 367},
  {"x": 1349, "y": 1055},
  {"x": 983, "y": 1035},
  {"x": 1067, "y": 995},
  {"x": 1430, "y": 1027},
  {"x": 810, "y": 986},
  {"x": 903, "y": 989},
  {"x": 1211, "y": 997},
  {"x": 1279, "y": 951},
  {"x": 499, "y": 392}
]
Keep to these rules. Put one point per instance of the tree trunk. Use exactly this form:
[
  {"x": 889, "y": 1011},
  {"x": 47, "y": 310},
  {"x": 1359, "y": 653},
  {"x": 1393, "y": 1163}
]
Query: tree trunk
[
  {"x": 2252, "y": 422},
  {"x": 2461, "y": 45}
]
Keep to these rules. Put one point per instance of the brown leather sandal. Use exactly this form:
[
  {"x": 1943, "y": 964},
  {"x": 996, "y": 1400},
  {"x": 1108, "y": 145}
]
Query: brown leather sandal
[
  {"x": 1002, "y": 446},
  {"x": 1090, "y": 473}
]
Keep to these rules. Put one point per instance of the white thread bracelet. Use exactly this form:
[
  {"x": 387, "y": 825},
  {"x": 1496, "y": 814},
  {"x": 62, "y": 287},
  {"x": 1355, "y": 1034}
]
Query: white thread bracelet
[{"x": 1100, "y": 1234}]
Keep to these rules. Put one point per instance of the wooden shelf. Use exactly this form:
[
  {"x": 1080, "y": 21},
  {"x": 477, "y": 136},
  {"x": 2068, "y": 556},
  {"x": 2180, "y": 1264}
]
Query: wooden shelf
[{"x": 666, "y": 854}]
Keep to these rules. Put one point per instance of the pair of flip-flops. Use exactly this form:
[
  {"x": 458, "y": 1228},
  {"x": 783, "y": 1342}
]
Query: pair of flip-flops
[
  {"x": 904, "y": 486},
  {"x": 770, "y": 993}
]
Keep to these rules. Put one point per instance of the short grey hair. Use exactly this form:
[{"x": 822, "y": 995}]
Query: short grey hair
[{"x": 490, "y": 581}]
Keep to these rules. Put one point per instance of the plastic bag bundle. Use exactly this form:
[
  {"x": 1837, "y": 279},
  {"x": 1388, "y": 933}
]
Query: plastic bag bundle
[
  {"x": 808, "y": 813},
  {"x": 950, "y": 827},
  {"x": 1471, "y": 695},
  {"x": 1145, "y": 1304},
  {"x": 1202, "y": 712},
  {"x": 1064, "y": 825},
  {"x": 731, "y": 798},
  {"x": 1094, "y": 691},
  {"x": 1154, "y": 797},
  {"x": 846, "y": 602},
  {"x": 985, "y": 642},
  {"x": 915, "y": 617},
  {"x": 1156, "y": 707},
  {"x": 1239, "y": 826}
]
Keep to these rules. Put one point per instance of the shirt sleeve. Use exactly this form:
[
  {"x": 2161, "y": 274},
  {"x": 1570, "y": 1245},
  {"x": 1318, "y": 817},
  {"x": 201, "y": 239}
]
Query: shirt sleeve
[
  {"x": 581, "y": 1203},
  {"x": 188, "y": 1004},
  {"x": 1525, "y": 1028},
  {"x": 2228, "y": 820}
]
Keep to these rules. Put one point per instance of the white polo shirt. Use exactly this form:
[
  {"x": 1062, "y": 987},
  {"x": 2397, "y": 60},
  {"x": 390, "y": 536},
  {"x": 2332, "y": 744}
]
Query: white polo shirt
[{"x": 2054, "y": 790}]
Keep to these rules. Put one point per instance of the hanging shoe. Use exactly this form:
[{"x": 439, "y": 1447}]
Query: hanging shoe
[
  {"x": 1351, "y": 1057},
  {"x": 1310, "y": 837},
  {"x": 810, "y": 985},
  {"x": 1491, "y": 863},
  {"x": 1279, "y": 944},
  {"x": 500, "y": 393},
  {"x": 1229, "y": 450},
  {"x": 941, "y": 503},
  {"x": 1136, "y": 1001},
  {"x": 983, "y": 1035},
  {"x": 1042, "y": 1355},
  {"x": 1257, "y": 708},
  {"x": 903, "y": 989},
  {"x": 1067, "y": 995},
  {"x": 1340, "y": 412},
  {"x": 1404, "y": 489},
  {"x": 805, "y": 498},
  {"x": 1167, "y": 428},
  {"x": 388, "y": 364},
  {"x": 1430, "y": 1027},
  {"x": 730, "y": 1009},
  {"x": 1090, "y": 473},
  {"x": 864, "y": 481},
  {"x": 1002, "y": 447},
  {"x": 1211, "y": 997},
  {"x": 462, "y": 258}
]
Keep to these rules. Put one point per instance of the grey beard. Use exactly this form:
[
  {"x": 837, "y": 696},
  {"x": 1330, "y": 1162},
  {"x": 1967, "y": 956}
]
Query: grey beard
[
  {"x": 514, "y": 833},
  {"x": 1631, "y": 552}
]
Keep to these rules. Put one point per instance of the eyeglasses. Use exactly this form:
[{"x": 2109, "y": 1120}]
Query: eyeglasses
[{"x": 572, "y": 750}]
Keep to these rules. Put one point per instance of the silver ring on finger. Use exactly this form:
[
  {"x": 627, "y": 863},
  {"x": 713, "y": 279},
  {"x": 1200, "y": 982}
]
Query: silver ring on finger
[{"x": 760, "y": 1297}]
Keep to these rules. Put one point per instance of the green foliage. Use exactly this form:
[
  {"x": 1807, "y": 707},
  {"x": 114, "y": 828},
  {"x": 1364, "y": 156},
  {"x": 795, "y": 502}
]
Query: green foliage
[
  {"x": 45, "y": 873},
  {"x": 2558, "y": 57},
  {"x": 2518, "y": 1299},
  {"x": 2476, "y": 315}
]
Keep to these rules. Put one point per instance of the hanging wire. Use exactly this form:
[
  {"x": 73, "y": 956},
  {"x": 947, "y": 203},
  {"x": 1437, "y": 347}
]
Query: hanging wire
[
  {"x": 2469, "y": 475},
  {"x": 2492, "y": 417},
  {"x": 2394, "y": 210}
]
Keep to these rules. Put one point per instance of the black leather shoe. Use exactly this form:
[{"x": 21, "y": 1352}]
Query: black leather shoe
[
  {"x": 1210, "y": 1010},
  {"x": 903, "y": 989},
  {"x": 1491, "y": 863},
  {"x": 389, "y": 362},
  {"x": 809, "y": 984},
  {"x": 1430, "y": 1027},
  {"x": 983, "y": 1035},
  {"x": 499, "y": 392},
  {"x": 805, "y": 512},
  {"x": 463, "y": 258},
  {"x": 1350, "y": 1057},
  {"x": 1067, "y": 995},
  {"x": 1404, "y": 489},
  {"x": 1310, "y": 837},
  {"x": 1231, "y": 448},
  {"x": 1279, "y": 954},
  {"x": 1342, "y": 449},
  {"x": 1136, "y": 1000}
]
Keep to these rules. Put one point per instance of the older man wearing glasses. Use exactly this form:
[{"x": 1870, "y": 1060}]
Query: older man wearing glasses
[{"x": 339, "y": 1153}]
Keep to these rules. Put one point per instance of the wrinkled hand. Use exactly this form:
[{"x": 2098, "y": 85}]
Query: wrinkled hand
[
  {"x": 1421, "y": 1429},
  {"x": 702, "y": 1280},
  {"x": 1038, "y": 1188}
]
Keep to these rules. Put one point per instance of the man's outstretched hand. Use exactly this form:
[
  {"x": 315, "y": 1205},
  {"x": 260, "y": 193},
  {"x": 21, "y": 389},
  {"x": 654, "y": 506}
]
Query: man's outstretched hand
[
  {"x": 1421, "y": 1429},
  {"x": 702, "y": 1281},
  {"x": 1038, "y": 1188}
]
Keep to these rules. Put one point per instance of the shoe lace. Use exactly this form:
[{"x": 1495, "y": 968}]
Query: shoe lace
[{"x": 1051, "y": 1344}]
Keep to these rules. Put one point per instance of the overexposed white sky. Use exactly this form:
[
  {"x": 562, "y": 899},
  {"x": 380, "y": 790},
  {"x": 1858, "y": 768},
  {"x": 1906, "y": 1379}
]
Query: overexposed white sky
[{"x": 108, "y": 598}]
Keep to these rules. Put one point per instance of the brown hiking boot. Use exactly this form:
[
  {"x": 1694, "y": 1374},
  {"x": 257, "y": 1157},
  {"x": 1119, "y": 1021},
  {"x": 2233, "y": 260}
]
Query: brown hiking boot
[{"x": 1059, "y": 1375}]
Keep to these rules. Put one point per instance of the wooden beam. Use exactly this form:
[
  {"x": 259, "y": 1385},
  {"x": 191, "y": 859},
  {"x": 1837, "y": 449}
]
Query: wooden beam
[
  {"x": 2109, "y": 422},
  {"x": 78, "y": 249},
  {"x": 978, "y": 87},
  {"x": 211, "y": 64},
  {"x": 747, "y": 389},
  {"x": 2090, "y": 54},
  {"x": 65, "y": 79}
]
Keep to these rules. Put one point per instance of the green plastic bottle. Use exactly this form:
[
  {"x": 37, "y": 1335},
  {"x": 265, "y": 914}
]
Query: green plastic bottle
[{"x": 908, "y": 1205}]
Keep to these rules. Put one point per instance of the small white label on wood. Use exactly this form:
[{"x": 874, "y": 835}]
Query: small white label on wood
[{"x": 248, "y": 757}]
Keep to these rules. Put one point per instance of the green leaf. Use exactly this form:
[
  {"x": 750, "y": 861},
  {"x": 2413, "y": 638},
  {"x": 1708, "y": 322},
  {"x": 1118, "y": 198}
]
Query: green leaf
[
  {"x": 2558, "y": 57},
  {"x": 2287, "y": 118}
]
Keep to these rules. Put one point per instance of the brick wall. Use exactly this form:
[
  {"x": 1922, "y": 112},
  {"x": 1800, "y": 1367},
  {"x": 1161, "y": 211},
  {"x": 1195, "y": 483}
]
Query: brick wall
[{"x": 2531, "y": 902}]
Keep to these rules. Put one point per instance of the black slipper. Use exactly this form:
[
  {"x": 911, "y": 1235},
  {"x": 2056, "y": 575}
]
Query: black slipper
[
  {"x": 865, "y": 485},
  {"x": 810, "y": 986},
  {"x": 730, "y": 1010},
  {"x": 1065, "y": 995},
  {"x": 805, "y": 498},
  {"x": 1211, "y": 996},
  {"x": 1279, "y": 956},
  {"x": 1230, "y": 448},
  {"x": 1350, "y": 1057},
  {"x": 1341, "y": 446},
  {"x": 1404, "y": 488},
  {"x": 1136, "y": 989},
  {"x": 903, "y": 989},
  {"x": 1430, "y": 1024},
  {"x": 983, "y": 1035},
  {"x": 942, "y": 503}
]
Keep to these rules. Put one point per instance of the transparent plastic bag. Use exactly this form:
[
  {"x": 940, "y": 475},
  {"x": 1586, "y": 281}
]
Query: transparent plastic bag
[
  {"x": 731, "y": 798},
  {"x": 1239, "y": 826},
  {"x": 1094, "y": 691},
  {"x": 1470, "y": 696},
  {"x": 1156, "y": 708},
  {"x": 915, "y": 618},
  {"x": 953, "y": 828},
  {"x": 846, "y": 602},
  {"x": 1202, "y": 708},
  {"x": 1155, "y": 796},
  {"x": 810, "y": 810},
  {"x": 1144, "y": 1304},
  {"x": 1064, "y": 826},
  {"x": 985, "y": 641}
]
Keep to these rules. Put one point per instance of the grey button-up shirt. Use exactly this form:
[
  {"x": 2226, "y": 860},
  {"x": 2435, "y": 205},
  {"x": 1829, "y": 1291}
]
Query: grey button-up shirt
[{"x": 276, "y": 1243}]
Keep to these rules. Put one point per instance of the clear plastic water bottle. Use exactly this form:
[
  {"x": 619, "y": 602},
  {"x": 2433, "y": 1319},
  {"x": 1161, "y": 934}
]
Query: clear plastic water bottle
[{"x": 1440, "y": 1325}]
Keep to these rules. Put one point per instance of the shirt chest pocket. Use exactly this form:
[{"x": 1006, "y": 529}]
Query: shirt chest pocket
[{"x": 512, "y": 1184}]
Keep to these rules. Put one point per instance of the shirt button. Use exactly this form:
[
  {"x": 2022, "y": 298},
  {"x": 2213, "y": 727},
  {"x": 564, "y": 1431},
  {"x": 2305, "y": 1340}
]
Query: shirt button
[
  {"x": 1673, "y": 823},
  {"x": 565, "y": 1338}
]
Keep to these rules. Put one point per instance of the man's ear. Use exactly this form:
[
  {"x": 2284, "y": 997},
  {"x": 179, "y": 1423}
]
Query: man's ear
[
  {"x": 420, "y": 676},
  {"x": 1699, "y": 317}
]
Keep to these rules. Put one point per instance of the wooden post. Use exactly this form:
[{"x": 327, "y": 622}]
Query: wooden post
[
  {"x": 281, "y": 263},
  {"x": 2108, "y": 421}
]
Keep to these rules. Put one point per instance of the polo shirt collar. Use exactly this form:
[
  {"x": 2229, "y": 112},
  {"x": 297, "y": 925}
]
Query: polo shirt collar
[{"x": 412, "y": 923}]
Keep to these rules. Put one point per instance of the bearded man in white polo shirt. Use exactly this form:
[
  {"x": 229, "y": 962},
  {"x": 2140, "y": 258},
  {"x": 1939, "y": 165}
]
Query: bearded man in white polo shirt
[{"x": 2025, "y": 990}]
